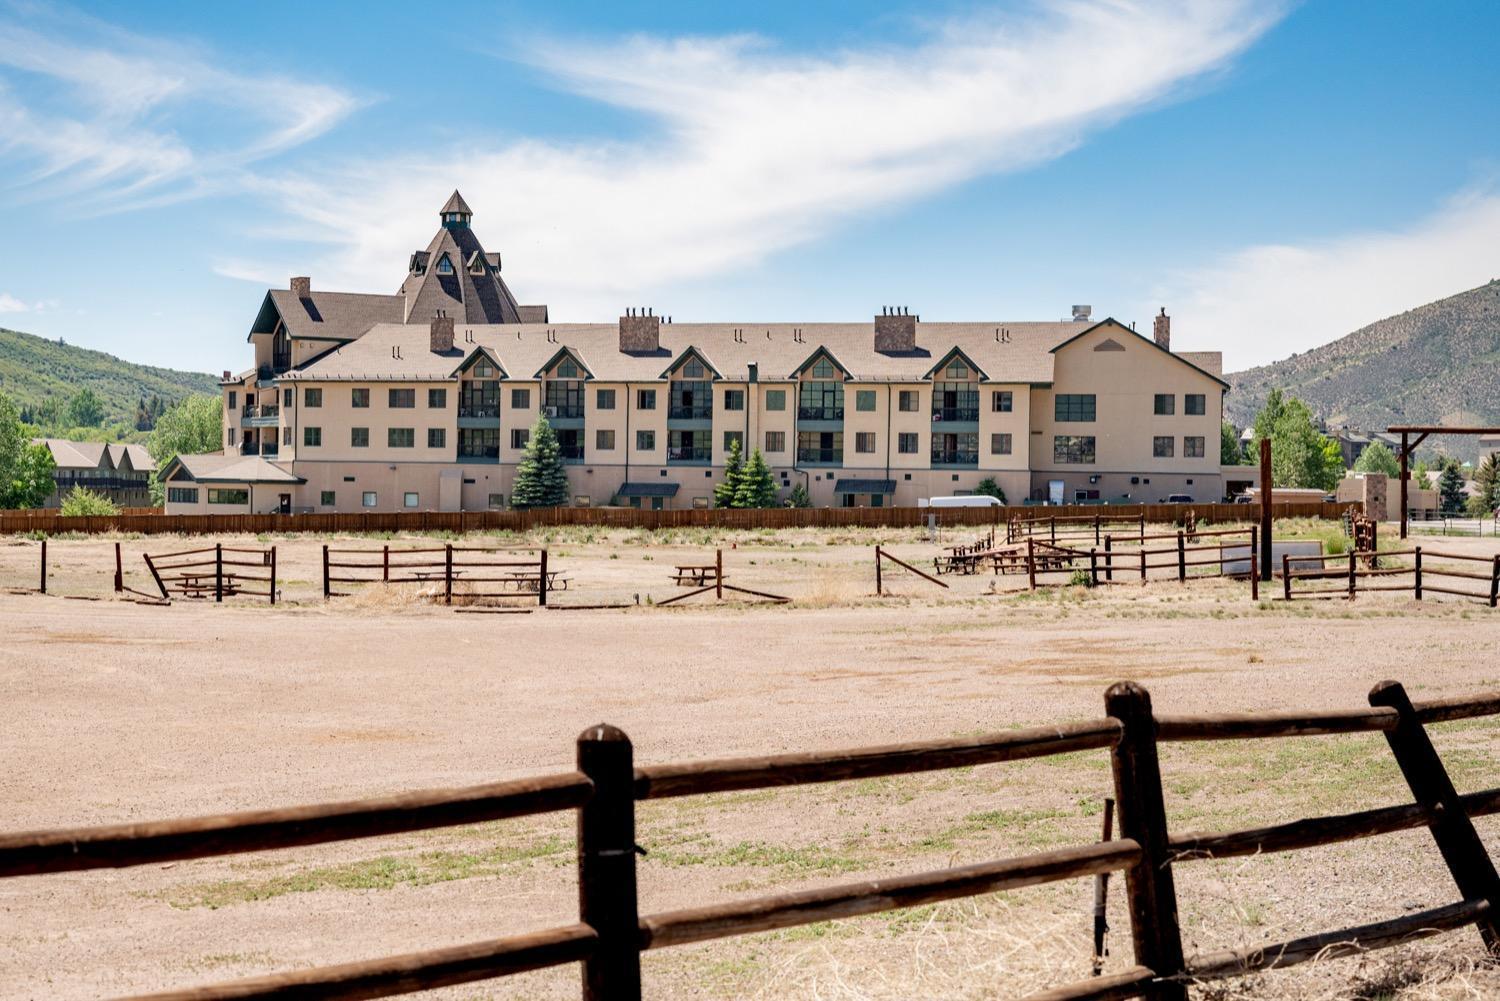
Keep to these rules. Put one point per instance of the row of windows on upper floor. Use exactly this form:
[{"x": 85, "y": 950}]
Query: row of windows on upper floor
[{"x": 1082, "y": 407}]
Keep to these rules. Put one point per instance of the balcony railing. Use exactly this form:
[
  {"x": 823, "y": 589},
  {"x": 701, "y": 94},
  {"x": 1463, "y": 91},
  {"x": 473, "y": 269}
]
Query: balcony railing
[
  {"x": 555, "y": 412},
  {"x": 940, "y": 458},
  {"x": 694, "y": 413},
  {"x": 270, "y": 412},
  {"x": 696, "y": 453},
  {"x": 281, "y": 362},
  {"x": 571, "y": 452},
  {"x": 955, "y": 414},
  {"x": 820, "y": 455},
  {"x": 479, "y": 410},
  {"x": 820, "y": 413},
  {"x": 479, "y": 452}
]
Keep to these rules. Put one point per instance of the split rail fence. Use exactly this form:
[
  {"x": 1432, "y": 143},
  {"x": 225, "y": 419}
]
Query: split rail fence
[
  {"x": 483, "y": 572},
  {"x": 1357, "y": 572},
  {"x": 201, "y": 573},
  {"x": 52, "y": 523},
  {"x": 610, "y": 934}
]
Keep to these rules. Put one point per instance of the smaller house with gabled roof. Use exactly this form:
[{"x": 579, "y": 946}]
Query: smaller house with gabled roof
[{"x": 120, "y": 471}]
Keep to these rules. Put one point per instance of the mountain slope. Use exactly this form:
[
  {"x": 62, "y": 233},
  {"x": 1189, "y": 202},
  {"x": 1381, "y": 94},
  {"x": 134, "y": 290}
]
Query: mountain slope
[
  {"x": 33, "y": 368},
  {"x": 1436, "y": 364}
]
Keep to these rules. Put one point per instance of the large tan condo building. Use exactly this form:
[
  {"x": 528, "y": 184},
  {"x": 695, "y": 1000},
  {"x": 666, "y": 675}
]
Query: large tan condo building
[{"x": 423, "y": 400}]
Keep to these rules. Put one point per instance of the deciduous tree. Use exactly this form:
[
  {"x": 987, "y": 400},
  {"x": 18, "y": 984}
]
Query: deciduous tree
[{"x": 1376, "y": 458}]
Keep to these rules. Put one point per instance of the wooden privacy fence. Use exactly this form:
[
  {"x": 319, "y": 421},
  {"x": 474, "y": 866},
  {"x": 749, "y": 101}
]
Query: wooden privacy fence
[
  {"x": 1350, "y": 574},
  {"x": 200, "y": 573},
  {"x": 725, "y": 518},
  {"x": 484, "y": 572},
  {"x": 610, "y": 935}
]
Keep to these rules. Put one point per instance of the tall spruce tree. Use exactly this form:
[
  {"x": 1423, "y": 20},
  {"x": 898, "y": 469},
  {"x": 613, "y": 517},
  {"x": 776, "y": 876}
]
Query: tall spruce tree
[
  {"x": 757, "y": 488},
  {"x": 541, "y": 480},
  {"x": 1451, "y": 487},
  {"x": 734, "y": 466}
]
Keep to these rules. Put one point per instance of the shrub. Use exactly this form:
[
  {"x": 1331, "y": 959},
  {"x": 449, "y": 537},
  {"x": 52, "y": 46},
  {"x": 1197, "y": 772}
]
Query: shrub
[{"x": 82, "y": 502}]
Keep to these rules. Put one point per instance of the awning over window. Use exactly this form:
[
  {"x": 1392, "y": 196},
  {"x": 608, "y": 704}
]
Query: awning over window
[
  {"x": 865, "y": 487},
  {"x": 648, "y": 490}
]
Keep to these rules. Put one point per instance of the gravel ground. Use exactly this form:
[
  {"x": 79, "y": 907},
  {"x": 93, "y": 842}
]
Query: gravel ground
[{"x": 119, "y": 711}]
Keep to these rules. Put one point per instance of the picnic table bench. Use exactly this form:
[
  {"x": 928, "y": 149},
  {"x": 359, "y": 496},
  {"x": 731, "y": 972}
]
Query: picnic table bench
[
  {"x": 201, "y": 585},
  {"x": 700, "y": 575}
]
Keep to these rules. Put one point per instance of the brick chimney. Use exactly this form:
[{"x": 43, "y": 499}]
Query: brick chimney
[
  {"x": 640, "y": 331},
  {"x": 441, "y": 332},
  {"x": 1161, "y": 330},
  {"x": 226, "y": 376},
  {"x": 302, "y": 286},
  {"x": 895, "y": 330}
]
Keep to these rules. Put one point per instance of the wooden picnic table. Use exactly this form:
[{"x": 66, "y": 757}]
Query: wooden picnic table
[{"x": 695, "y": 574}]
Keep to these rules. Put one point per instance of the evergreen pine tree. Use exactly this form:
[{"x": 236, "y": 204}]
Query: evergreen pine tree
[
  {"x": 988, "y": 487},
  {"x": 757, "y": 488},
  {"x": 541, "y": 480},
  {"x": 1451, "y": 487},
  {"x": 726, "y": 490},
  {"x": 799, "y": 497},
  {"x": 1487, "y": 483}
]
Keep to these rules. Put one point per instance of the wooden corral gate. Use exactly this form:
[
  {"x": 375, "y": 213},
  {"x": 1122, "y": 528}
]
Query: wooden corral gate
[
  {"x": 610, "y": 935},
  {"x": 485, "y": 572},
  {"x": 201, "y": 573},
  {"x": 1356, "y": 572}
]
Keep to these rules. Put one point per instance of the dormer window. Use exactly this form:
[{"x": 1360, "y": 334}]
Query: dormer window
[
  {"x": 567, "y": 369},
  {"x": 483, "y": 370},
  {"x": 693, "y": 369},
  {"x": 444, "y": 265},
  {"x": 957, "y": 370},
  {"x": 822, "y": 369}
]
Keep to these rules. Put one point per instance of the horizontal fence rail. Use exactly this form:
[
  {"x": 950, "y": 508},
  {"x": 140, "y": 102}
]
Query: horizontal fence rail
[
  {"x": 52, "y": 523},
  {"x": 610, "y": 934},
  {"x": 1355, "y": 572},
  {"x": 483, "y": 572}
]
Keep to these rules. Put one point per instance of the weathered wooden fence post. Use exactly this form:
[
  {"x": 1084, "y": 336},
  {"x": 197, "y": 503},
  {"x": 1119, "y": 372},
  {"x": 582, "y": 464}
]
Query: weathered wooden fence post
[
  {"x": 385, "y": 564},
  {"x": 1417, "y": 572},
  {"x": 44, "y": 565},
  {"x": 218, "y": 571},
  {"x": 1143, "y": 561},
  {"x": 273, "y": 575},
  {"x": 1149, "y": 888},
  {"x": 541, "y": 588},
  {"x": 719, "y": 574},
  {"x": 1094, "y": 566},
  {"x": 606, "y": 866},
  {"x": 1109, "y": 558},
  {"x": 1495, "y": 582},
  {"x": 119, "y": 571},
  {"x": 1286, "y": 576},
  {"x": 877, "y": 569},
  {"x": 1351, "y": 575},
  {"x": 1254, "y": 572},
  {"x": 447, "y": 573},
  {"x": 1181, "y": 559},
  {"x": 1031, "y": 562},
  {"x": 326, "y": 590},
  {"x": 1451, "y": 827}
]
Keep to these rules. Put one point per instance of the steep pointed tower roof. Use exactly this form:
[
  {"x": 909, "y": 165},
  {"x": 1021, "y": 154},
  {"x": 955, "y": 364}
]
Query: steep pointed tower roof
[{"x": 455, "y": 274}]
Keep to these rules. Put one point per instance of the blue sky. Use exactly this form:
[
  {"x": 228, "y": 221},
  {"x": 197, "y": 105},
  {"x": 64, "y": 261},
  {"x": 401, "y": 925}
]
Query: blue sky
[{"x": 1275, "y": 175}]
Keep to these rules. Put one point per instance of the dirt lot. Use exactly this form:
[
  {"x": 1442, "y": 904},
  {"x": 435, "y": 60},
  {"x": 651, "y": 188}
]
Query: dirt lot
[{"x": 118, "y": 711}]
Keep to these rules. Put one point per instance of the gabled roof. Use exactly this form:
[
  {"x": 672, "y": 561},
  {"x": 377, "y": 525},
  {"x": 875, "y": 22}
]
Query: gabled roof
[
  {"x": 557, "y": 357},
  {"x": 472, "y": 356},
  {"x": 1110, "y": 321},
  {"x": 955, "y": 352},
  {"x": 469, "y": 296},
  {"x": 217, "y": 468},
  {"x": 822, "y": 349},
  {"x": 98, "y": 455},
  {"x": 325, "y": 316},
  {"x": 456, "y": 203},
  {"x": 683, "y": 356}
]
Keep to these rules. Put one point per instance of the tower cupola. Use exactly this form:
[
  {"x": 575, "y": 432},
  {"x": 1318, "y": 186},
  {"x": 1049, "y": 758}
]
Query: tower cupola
[{"x": 456, "y": 212}]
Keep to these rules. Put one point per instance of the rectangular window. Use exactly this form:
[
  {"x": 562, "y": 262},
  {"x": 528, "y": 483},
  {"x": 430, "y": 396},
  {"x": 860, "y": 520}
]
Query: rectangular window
[
  {"x": 234, "y": 399},
  {"x": 775, "y": 399},
  {"x": 730, "y": 437},
  {"x": 864, "y": 399},
  {"x": 359, "y": 399},
  {"x": 496, "y": 502},
  {"x": 182, "y": 495},
  {"x": 223, "y": 496},
  {"x": 1195, "y": 404},
  {"x": 645, "y": 399},
  {"x": 520, "y": 399},
  {"x": 229, "y": 437},
  {"x": 368, "y": 499},
  {"x": 519, "y": 437},
  {"x": 286, "y": 398},
  {"x": 820, "y": 401},
  {"x": 401, "y": 437},
  {"x": 1162, "y": 446},
  {"x": 312, "y": 436},
  {"x": 955, "y": 448},
  {"x": 907, "y": 442},
  {"x": 604, "y": 441},
  {"x": 359, "y": 437},
  {"x": 1001, "y": 401},
  {"x": 437, "y": 399},
  {"x": 286, "y": 436},
  {"x": 820, "y": 446},
  {"x": 410, "y": 499},
  {"x": 437, "y": 437},
  {"x": 401, "y": 399},
  {"x": 325, "y": 498},
  {"x": 479, "y": 443},
  {"x": 645, "y": 441},
  {"x": 1192, "y": 447},
  {"x": 312, "y": 397},
  {"x": 864, "y": 441},
  {"x": 1000, "y": 444},
  {"x": 604, "y": 399},
  {"x": 1073, "y": 407},
  {"x": 734, "y": 399},
  {"x": 1073, "y": 449},
  {"x": 775, "y": 441},
  {"x": 1165, "y": 405},
  {"x": 907, "y": 401}
]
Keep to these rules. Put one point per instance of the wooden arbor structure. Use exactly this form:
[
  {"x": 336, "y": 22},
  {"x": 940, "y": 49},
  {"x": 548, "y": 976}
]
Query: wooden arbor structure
[{"x": 1410, "y": 443}]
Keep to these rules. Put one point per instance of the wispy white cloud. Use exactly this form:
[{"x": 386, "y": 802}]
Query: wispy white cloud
[
  {"x": 1266, "y": 302},
  {"x": 116, "y": 120},
  {"x": 11, "y": 304},
  {"x": 752, "y": 151}
]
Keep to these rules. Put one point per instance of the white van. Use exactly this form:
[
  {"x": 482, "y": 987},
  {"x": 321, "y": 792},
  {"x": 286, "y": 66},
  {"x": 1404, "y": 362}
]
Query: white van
[{"x": 972, "y": 500}]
